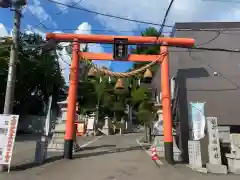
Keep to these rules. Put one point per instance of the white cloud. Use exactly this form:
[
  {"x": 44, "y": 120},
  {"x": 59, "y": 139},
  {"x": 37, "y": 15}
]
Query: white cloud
[
  {"x": 65, "y": 58},
  {"x": 3, "y": 31},
  {"x": 154, "y": 10},
  {"x": 64, "y": 62},
  {"x": 86, "y": 28},
  {"x": 30, "y": 29},
  {"x": 37, "y": 10},
  {"x": 64, "y": 8}
]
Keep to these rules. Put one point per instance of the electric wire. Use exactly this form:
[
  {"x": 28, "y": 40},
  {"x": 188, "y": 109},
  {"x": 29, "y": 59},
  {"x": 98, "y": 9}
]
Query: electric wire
[
  {"x": 71, "y": 29},
  {"x": 107, "y": 15},
  {"x": 211, "y": 40},
  {"x": 223, "y": 1},
  {"x": 211, "y": 67},
  {"x": 162, "y": 25},
  {"x": 103, "y": 30},
  {"x": 202, "y": 48},
  {"x": 59, "y": 13},
  {"x": 165, "y": 17}
]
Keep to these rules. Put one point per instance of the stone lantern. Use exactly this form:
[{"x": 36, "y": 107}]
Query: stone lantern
[{"x": 57, "y": 141}]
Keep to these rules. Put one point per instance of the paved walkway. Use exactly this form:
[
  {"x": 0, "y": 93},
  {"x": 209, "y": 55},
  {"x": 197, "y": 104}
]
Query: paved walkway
[
  {"x": 24, "y": 151},
  {"x": 110, "y": 158}
]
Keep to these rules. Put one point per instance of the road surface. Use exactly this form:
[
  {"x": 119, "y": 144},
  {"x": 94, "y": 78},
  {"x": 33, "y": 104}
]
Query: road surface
[
  {"x": 24, "y": 150},
  {"x": 117, "y": 157}
]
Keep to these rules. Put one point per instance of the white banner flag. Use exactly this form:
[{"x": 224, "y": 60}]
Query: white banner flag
[{"x": 197, "y": 120}]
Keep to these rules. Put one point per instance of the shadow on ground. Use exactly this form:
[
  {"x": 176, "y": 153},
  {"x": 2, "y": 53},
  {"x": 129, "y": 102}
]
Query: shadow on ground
[
  {"x": 27, "y": 137},
  {"x": 111, "y": 151},
  {"x": 97, "y": 147},
  {"x": 30, "y": 165}
]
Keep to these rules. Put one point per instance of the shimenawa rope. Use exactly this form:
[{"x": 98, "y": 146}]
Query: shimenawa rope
[{"x": 123, "y": 74}]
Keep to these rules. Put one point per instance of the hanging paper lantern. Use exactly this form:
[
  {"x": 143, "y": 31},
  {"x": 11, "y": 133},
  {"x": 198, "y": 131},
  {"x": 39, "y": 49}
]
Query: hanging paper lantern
[
  {"x": 91, "y": 73},
  {"x": 119, "y": 84},
  {"x": 147, "y": 76}
]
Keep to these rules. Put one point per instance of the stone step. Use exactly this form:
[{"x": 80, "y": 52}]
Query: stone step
[{"x": 233, "y": 163}]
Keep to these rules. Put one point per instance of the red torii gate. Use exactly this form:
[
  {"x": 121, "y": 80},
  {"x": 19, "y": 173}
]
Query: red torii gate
[{"x": 132, "y": 40}]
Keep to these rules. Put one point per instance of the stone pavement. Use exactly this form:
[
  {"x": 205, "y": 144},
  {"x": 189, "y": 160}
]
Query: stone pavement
[{"x": 116, "y": 157}]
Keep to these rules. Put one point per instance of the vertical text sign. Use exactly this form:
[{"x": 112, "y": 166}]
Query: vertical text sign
[
  {"x": 214, "y": 152},
  {"x": 194, "y": 152},
  {"x": 8, "y": 129}
]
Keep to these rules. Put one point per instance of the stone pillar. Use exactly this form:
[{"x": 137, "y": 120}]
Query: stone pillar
[
  {"x": 107, "y": 128},
  {"x": 122, "y": 126},
  {"x": 234, "y": 157},
  {"x": 129, "y": 126},
  {"x": 214, "y": 152},
  {"x": 159, "y": 113},
  {"x": 91, "y": 124},
  {"x": 57, "y": 141},
  {"x": 159, "y": 140},
  {"x": 195, "y": 156}
]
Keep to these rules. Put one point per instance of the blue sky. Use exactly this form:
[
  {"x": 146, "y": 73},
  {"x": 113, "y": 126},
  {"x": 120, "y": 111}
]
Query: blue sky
[{"x": 76, "y": 21}]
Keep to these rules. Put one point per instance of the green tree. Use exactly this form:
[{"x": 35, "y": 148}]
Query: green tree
[
  {"x": 38, "y": 75},
  {"x": 144, "y": 106},
  {"x": 102, "y": 97},
  {"x": 147, "y": 49},
  {"x": 112, "y": 102},
  {"x": 146, "y": 113}
]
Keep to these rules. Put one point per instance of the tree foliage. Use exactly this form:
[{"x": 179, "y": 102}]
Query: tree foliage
[
  {"x": 38, "y": 75},
  {"x": 147, "y": 49},
  {"x": 101, "y": 93},
  {"x": 145, "y": 110}
]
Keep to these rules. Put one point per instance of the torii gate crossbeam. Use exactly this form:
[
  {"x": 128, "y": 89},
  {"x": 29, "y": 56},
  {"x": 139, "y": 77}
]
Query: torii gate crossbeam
[{"x": 132, "y": 40}]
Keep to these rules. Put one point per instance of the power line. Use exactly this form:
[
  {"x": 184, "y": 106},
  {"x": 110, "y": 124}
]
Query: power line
[
  {"x": 107, "y": 15},
  {"x": 202, "y": 48},
  {"x": 59, "y": 13},
  {"x": 184, "y": 47},
  {"x": 211, "y": 67},
  {"x": 96, "y": 30},
  {"x": 123, "y": 18},
  {"x": 165, "y": 17},
  {"x": 50, "y": 44},
  {"x": 109, "y": 30},
  {"x": 40, "y": 23},
  {"x": 218, "y": 33},
  {"x": 224, "y": 1},
  {"x": 92, "y": 30},
  {"x": 71, "y": 29},
  {"x": 216, "y": 49},
  {"x": 130, "y": 31},
  {"x": 223, "y": 30},
  {"x": 211, "y": 40}
]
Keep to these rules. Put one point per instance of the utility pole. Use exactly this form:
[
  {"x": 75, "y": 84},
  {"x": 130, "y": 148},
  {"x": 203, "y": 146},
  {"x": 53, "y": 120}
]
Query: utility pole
[{"x": 9, "y": 96}]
